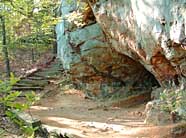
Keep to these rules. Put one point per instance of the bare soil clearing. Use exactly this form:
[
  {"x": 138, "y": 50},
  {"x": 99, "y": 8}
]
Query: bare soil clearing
[{"x": 69, "y": 112}]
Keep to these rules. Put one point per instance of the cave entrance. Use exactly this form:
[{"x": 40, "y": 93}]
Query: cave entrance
[{"x": 135, "y": 93}]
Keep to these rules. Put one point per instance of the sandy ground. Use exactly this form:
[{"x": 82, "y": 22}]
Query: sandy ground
[
  {"x": 83, "y": 118},
  {"x": 70, "y": 112}
]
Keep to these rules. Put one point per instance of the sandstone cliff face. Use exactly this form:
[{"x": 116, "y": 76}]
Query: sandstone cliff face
[
  {"x": 116, "y": 43},
  {"x": 150, "y": 32}
]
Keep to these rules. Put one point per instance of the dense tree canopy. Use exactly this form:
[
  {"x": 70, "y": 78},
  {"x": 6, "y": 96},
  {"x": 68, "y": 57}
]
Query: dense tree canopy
[
  {"x": 28, "y": 20},
  {"x": 28, "y": 23}
]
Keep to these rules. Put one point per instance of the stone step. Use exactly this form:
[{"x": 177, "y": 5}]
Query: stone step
[{"x": 26, "y": 119}]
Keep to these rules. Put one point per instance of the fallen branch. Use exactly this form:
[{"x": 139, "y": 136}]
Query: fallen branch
[{"x": 38, "y": 68}]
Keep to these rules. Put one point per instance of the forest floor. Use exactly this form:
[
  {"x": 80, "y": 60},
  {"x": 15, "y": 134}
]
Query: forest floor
[
  {"x": 21, "y": 61},
  {"x": 68, "y": 111},
  {"x": 83, "y": 118}
]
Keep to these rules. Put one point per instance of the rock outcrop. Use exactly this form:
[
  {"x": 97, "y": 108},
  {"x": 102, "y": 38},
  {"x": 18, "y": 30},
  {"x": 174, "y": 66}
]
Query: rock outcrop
[
  {"x": 112, "y": 44},
  {"x": 150, "y": 32}
]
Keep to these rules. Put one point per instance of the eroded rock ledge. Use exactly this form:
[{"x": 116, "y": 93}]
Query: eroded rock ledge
[
  {"x": 119, "y": 43},
  {"x": 153, "y": 31}
]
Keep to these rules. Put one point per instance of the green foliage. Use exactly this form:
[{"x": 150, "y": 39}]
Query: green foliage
[
  {"x": 29, "y": 130},
  {"x": 77, "y": 16},
  {"x": 173, "y": 100},
  {"x": 1, "y": 131},
  {"x": 168, "y": 99},
  {"x": 6, "y": 86},
  {"x": 29, "y": 22},
  {"x": 10, "y": 103}
]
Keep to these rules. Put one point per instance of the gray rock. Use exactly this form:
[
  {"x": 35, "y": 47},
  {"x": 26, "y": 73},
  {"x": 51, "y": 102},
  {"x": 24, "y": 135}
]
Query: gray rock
[
  {"x": 153, "y": 30},
  {"x": 156, "y": 116},
  {"x": 156, "y": 93},
  {"x": 88, "y": 55}
]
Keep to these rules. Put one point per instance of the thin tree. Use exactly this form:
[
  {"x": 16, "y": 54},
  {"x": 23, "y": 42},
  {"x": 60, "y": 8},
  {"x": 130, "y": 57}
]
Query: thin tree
[{"x": 5, "y": 49}]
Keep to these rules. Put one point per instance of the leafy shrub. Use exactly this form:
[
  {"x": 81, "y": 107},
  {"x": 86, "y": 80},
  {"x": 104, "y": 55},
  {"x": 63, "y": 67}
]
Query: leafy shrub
[
  {"x": 9, "y": 103},
  {"x": 174, "y": 100}
]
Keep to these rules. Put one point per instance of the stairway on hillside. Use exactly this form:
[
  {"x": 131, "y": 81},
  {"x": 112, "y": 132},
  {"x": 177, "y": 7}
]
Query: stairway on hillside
[{"x": 37, "y": 80}]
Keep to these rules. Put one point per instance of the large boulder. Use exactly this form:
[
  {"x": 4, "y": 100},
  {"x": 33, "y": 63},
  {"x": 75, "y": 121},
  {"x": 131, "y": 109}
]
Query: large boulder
[
  {"x": 112, "y": 42},
  {"x": 156, "y": 116},
  {"x": 93, "y": 62},
  {"x": 150, "y": 32}
]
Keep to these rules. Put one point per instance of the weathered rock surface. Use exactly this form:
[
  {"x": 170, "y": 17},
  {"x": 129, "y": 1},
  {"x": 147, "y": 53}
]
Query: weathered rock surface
[
  {"x": 156, "y": 116},
  {"x": 168, "y": 106},
  {"x": 117, "y": 43},
  {"x": 91, "y": 60},
  {"x": 151, "y": 32}
]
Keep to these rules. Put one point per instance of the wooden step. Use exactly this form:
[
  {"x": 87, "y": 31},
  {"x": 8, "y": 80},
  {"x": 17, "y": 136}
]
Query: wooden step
[
  {"x": 35, "y": 78},
  {"x": 28, "y": 81},
  {"x": 47, "y": 77},
  {"x": 53, "y": 69},
  {"x": 27, "y": 88},
  {"x": 29, "y": 84},
  {"x": 50, "y": 72}
]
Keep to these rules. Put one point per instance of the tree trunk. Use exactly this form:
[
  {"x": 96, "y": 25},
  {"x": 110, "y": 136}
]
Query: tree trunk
[
  {"x": 33, "y": 55},
  {"x": 55, "y": 43},
  {"x": 55, "y": 36},
  {"x": 5, "y": 49}
]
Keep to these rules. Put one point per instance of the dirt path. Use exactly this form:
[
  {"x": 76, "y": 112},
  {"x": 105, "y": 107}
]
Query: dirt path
[
  {"x": 83, "y": 118},
  {"x": 70, "y": 112},
  {"x": 67, "y": 111}
]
